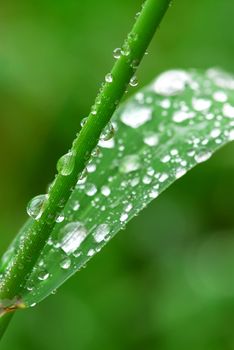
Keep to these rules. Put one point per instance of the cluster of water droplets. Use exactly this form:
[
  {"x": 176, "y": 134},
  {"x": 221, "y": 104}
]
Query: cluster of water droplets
[{"x": 155, "y": 138}]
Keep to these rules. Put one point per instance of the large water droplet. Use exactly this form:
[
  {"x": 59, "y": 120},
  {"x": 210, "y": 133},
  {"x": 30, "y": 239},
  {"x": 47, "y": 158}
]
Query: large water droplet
[
  {"x": 171, "y": 83},
  {"x": 36, "y": 206},
  {"x": 66, "y": 164},
  {"x": 71, "y": 236},
  {"x": 136, "y": 117}
]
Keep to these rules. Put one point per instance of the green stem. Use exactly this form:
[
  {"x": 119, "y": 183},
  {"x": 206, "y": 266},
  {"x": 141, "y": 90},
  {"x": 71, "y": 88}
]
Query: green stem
[{"x": 38, "y": 231}]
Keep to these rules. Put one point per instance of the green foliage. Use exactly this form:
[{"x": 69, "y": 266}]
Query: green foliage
[{"x": 163, "y": 131}]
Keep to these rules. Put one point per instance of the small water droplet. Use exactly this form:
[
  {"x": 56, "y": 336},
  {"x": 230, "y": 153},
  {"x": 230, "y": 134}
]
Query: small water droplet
[
  {"x": 123, "y": 217},
  {"x": 108, "y": 78},
  {"x": 202, "y": 156},
  {"x": 65, "y": 263},
  {"x": 90, "y": 189},
  {"x": 108, "y": 132},
  {"x": 60, "y": 217},
  {"x": 133, "y": 81},
  {"x": 117, "y": 53},
  {"x": 105, "y": 190},
  {"x": 228, "y": 110},
  {"x": 91, "y": 252},
  {"x": 43, "y": 275}
]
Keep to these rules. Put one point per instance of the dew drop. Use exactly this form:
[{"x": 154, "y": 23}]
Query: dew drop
[
  {"x": 60, "y": 217},
  {"x": 91, "y": 252},
  {"x": 228, "y": 110},
  {"x": 108, "y": 132},
  {"x": 133, "y": 81},
  {"x": 180, "y": 172},
  {"x": 65, "y": 263},
  {"x": 101, "y": 233},
  {"x": 109, "y": 78},
  {"x": 171, "y": 83},
  {"x": 123, "y": 217},
  {"x": 43, "y": 275},
  {"x": 71, "y": 236},
  {"x": 105, "y": 190},
  {"x": 129, "y": 164},
  {"x": 135, "y": 117},
  {"x": 200, "y": 104},
  {"x": 153, "y": 194},
  {"x": 117, "y": 53},
  {"x": 220, "y": 96},
  {"x": 151, "y": 139},
  {"x": 36, "y": 206},
  {"x": 163, "y": 177},
  {"x": 90, "y": 189},
  {"x": 66, "y": 163},
  {"x": 202, "y": 156}
]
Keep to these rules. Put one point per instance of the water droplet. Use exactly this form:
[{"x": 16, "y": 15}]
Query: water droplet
[
  {"x": 125, "y": 50},
  {"x": 76, "y": 205},
  {"x": 71, "y": 236},
  {"x": 163, "y": 177},
  {"x": 109, "y": 78},
  {"x": 65, "y": 263},
  {"x": 133, "y": 81},
  {"x": 151, "y": 139},
  {"x": 108, "y": 132},
  {"x": 90, "y": 189},
  {"x": 109, "y": 144},
  {"x": 83, "y": 121},
  {"x": 60, "y": 217},
  {"x": 153, "y": 194},
  {"x": 136, "y": 116},
  {"x": 228, "y": 110},
  {"x": 43, "y": 275},
  {"x": 129, "y": 163},
  {"x": 220, "y": 96},
  {"x": 180, "y": 172},
  {"x": 66, "y": 163},
  {"x": 123, "y": 217},
  {"x": 117, "y": 53},
  {"x": 91, "y": 252},
  {"x": 215, "y": 133},
  {"x": 180, "y": 116},
  {"x": 105, "y": 190},
  {"x": 202, "y": 156},
  {"x": 36, "y": 206},
  {"x": 171, "y": 83},
  {"x": 200, "y": 104},
  {"x": 101, "y": 232}
]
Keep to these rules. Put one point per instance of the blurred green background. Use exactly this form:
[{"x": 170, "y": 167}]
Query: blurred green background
[{"x": 167, "y": 281}]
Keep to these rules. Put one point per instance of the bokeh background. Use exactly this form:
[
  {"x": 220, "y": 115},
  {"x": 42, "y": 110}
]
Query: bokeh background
[{"x": 167, "y": 281}]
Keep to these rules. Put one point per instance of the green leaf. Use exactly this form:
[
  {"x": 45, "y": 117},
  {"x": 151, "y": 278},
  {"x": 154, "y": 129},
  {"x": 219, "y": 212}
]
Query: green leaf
[{"x": 163, "y": 131}]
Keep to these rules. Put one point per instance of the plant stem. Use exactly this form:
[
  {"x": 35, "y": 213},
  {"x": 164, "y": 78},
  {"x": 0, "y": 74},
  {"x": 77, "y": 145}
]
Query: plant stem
[{"x": 38, "y": 231}]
